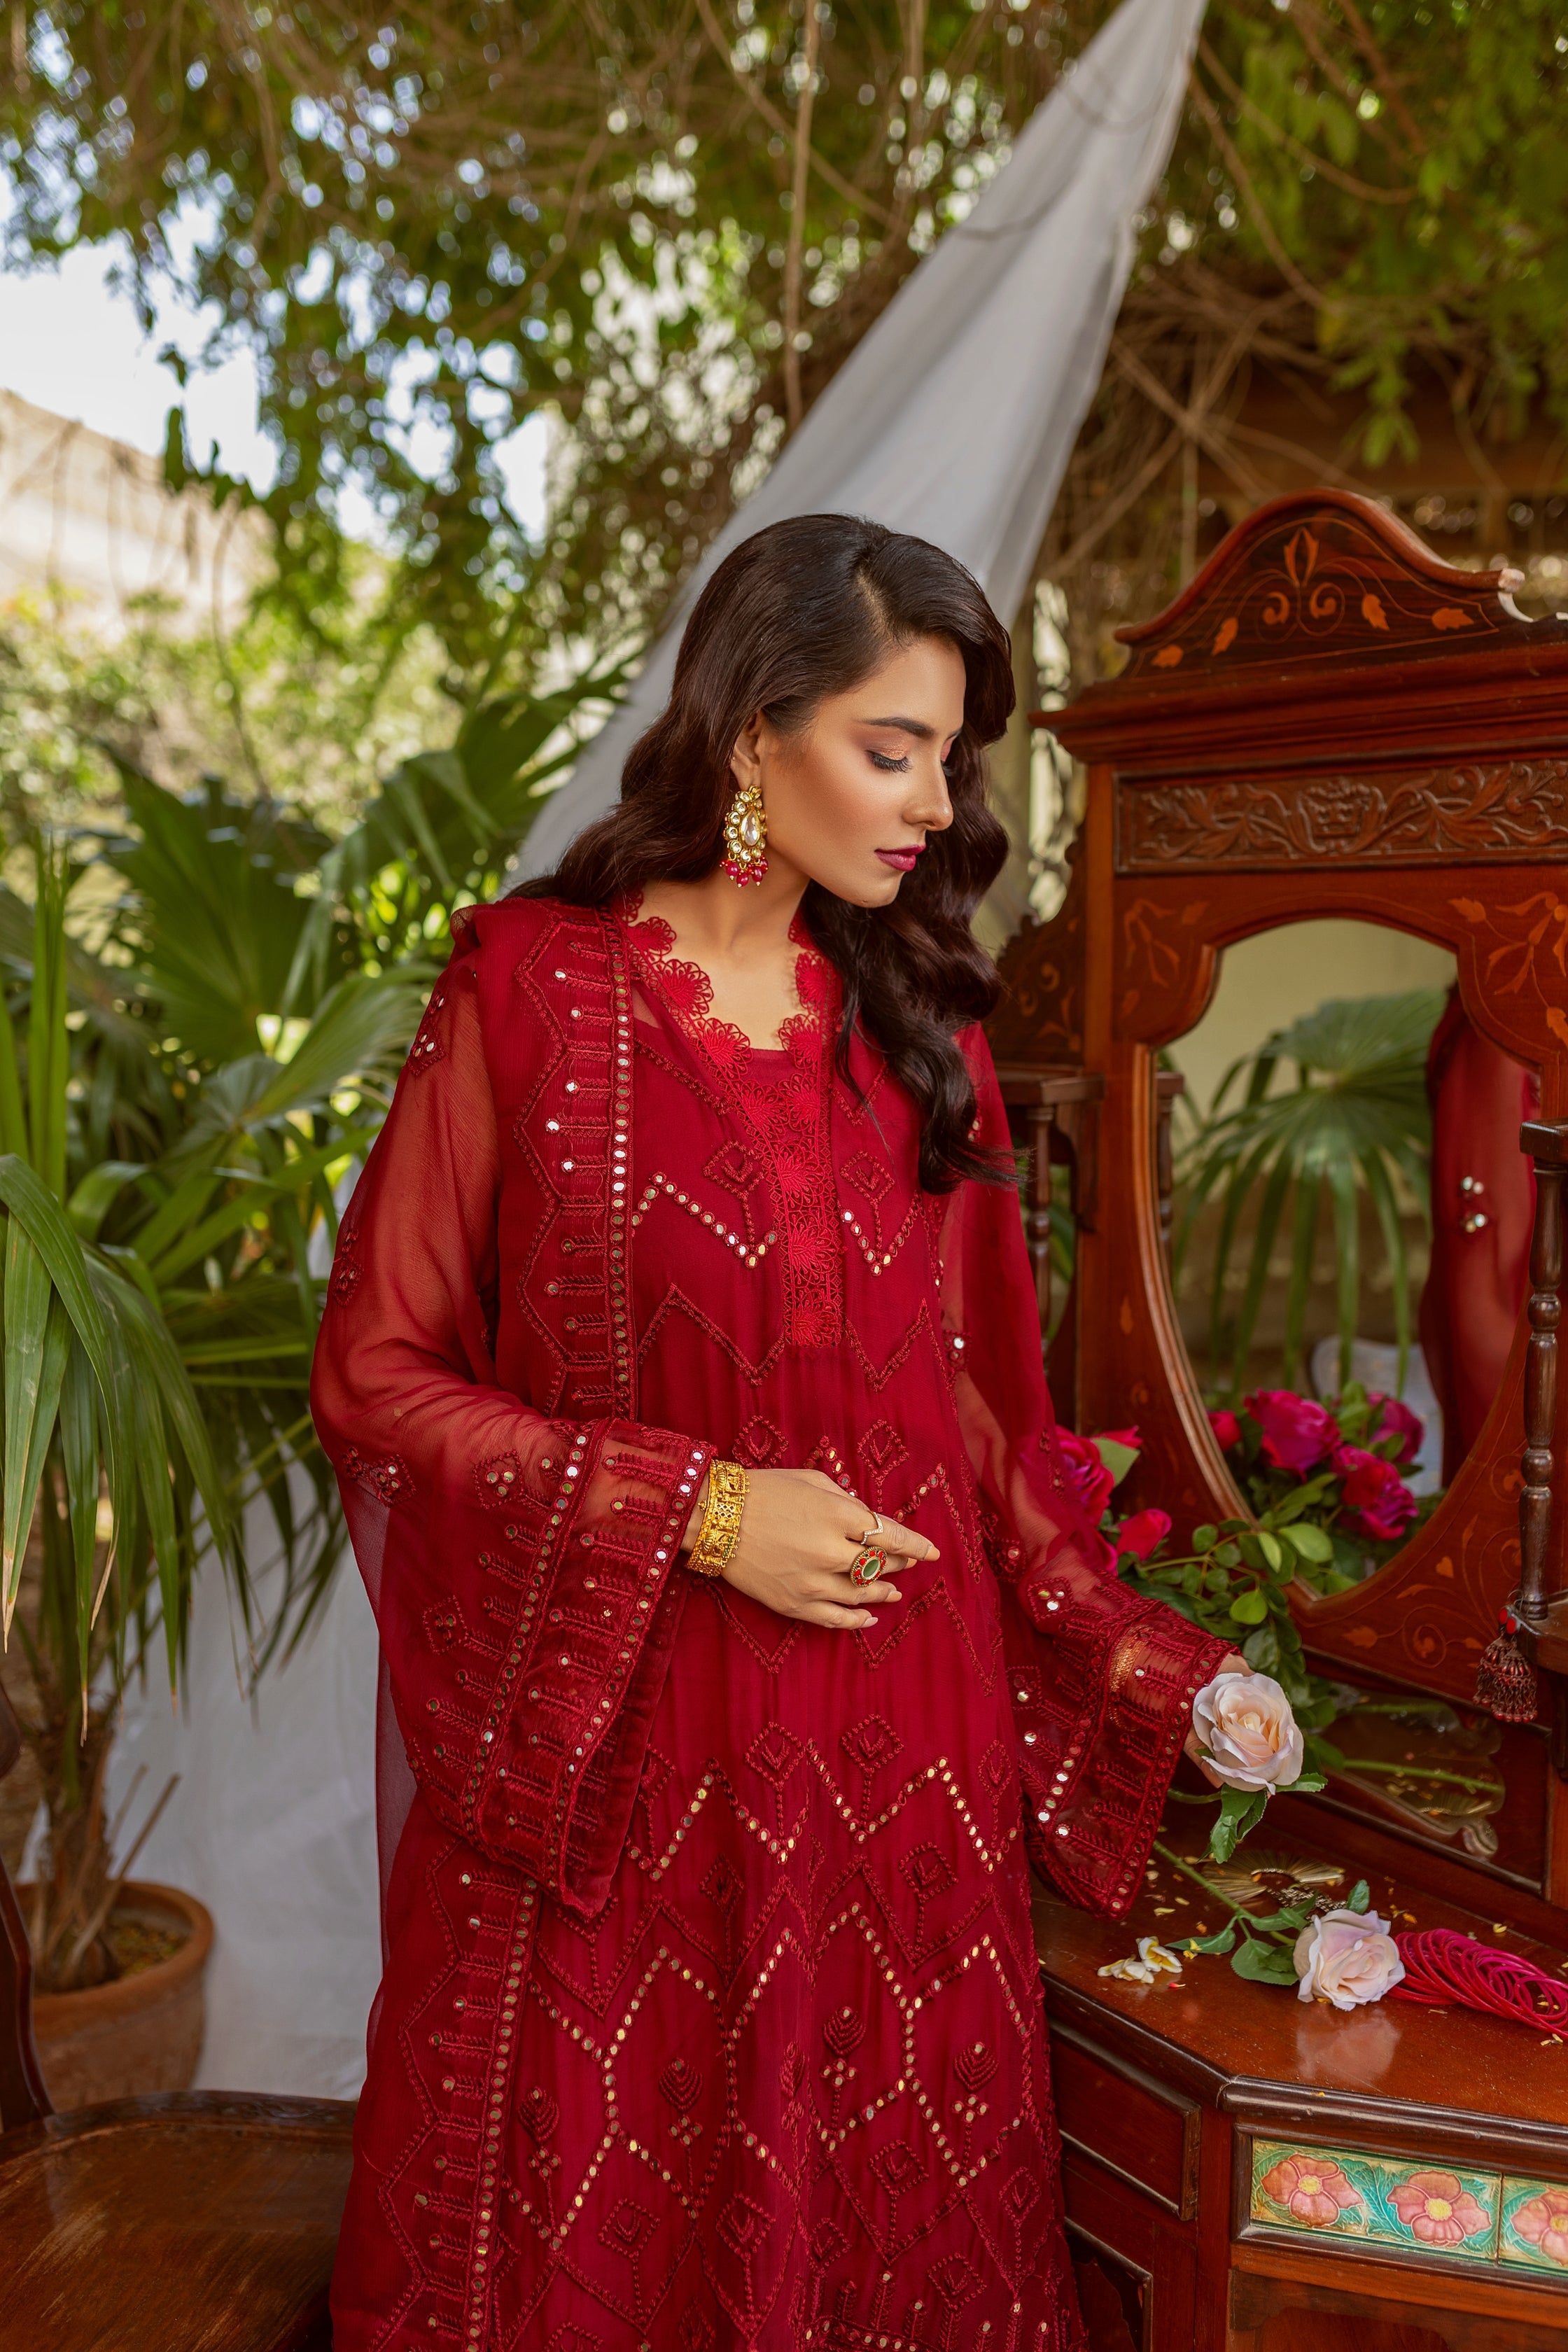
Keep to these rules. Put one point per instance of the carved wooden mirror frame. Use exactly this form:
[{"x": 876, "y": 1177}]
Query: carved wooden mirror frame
[{"x": 1328, "y": 721}]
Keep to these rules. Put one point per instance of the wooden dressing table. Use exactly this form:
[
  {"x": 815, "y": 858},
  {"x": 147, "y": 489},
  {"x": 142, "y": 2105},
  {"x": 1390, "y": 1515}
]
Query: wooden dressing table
[{"x": 1329, "y": 721}]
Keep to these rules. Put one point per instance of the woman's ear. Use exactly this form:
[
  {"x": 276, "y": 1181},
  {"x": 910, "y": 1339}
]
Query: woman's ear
[{"x": 747, "y": 759}]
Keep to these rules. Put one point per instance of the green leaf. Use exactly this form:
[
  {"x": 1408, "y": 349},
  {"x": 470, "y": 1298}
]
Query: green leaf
[
  {"x": 1240, "y": 1811},
  {"x": 27, "y": 1299},
  {"x": 1261, "y": 1649},
  {"x": 1205, "y": 1537},
  {"x": 1312, "y": 1542},
  {"x": 1359, "y": 1897},
  {"x": 48, "y": 1057},
  {"x": 1117, "y": 1458},
  {"x": 1288, "y": 1920},
  {"x": 1220, "y": 1943},
  {"x": 1249, "y": 1608},
  {"x": 1269, "y": 1546},
  {"x": 1264, "y": 1963},
  {"x": 78, "y": 1449},
  {"x": 13, "y": 1119},
  {"x": 98, "y": 1192}
]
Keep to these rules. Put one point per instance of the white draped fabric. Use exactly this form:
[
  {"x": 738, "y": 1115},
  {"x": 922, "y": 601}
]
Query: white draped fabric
[
  {"x": 955, "y": 416},
  {"x": 954, "y": 420}
]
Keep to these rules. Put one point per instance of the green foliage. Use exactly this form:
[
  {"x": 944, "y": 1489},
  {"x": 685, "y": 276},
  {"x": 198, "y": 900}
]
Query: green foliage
[
  {"x": 303, "y": 710},
  {"x": 185, "y": 1075},
  {"x": 1401, "y": 165},
  {"x": 490, "y": 212},
  {"x": 157, "y": 1346},
  {"x": 591, "y": 212},
  {"x": 443, "y": 829},
  {"x": 1355, "y": 1120}
]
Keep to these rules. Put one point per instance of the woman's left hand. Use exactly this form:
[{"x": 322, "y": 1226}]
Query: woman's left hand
[{"x": 1234, "y": 1665}]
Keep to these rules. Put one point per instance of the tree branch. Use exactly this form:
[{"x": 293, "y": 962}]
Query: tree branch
[
  {"x": 777, "y": 121},
  {"x": 792, "y": 408}
]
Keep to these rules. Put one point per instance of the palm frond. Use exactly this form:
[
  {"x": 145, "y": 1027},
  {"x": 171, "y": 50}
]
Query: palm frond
[{"x": 1355, "y": 1122}]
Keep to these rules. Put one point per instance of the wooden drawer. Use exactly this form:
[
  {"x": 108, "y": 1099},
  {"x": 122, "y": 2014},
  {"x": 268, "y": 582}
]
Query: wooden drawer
[{"x": 1138, "y": 2129}]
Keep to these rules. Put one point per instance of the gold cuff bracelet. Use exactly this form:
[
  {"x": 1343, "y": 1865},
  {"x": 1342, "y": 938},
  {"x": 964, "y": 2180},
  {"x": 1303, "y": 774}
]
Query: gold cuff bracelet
[{"x": 720, "y": 1519}]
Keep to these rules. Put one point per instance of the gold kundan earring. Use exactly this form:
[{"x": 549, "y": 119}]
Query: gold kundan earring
[{"x": 746, "y": 836}]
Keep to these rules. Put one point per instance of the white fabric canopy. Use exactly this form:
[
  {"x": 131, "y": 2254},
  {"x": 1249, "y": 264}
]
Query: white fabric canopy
[
  {"x": 954, "y": 420},
  {"x": 955, "y": 416}
]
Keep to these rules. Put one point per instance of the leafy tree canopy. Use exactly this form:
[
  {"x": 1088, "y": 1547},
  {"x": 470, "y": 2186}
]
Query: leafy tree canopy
[{"x": 670, "y": 223}]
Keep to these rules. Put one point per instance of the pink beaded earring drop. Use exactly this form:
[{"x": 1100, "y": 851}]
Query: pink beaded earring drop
[{"x": 745, "y": 837}]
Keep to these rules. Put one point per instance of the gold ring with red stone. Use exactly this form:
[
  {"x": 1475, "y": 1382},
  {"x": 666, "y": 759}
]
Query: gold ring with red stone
[{"x": 867, "y": 1564}]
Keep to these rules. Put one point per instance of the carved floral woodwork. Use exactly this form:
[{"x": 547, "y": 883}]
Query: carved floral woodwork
[{"x": 1517, "y": 813}]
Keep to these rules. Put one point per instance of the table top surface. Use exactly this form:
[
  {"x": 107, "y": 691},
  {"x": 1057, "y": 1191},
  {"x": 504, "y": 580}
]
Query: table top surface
[{"x": 1450, "y": 2060}]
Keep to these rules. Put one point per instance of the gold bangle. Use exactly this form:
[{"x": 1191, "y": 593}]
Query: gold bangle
[{"x": 720, "y": 1519}]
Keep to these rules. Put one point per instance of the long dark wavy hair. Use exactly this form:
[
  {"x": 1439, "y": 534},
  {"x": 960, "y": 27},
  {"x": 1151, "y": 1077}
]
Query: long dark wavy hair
[{"x": 804, "y": 610}]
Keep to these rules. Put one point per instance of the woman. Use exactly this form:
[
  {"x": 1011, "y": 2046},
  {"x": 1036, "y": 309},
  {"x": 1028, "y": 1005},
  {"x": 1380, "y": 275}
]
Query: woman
[{"x": 710, "y": 2017}]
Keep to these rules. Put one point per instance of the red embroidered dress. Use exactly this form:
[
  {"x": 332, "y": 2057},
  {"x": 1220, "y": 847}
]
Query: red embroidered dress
[{"x": 710, "y": 2018}]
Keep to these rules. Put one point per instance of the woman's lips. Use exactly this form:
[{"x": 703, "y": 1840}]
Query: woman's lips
[{"x": 903, "y": 859}]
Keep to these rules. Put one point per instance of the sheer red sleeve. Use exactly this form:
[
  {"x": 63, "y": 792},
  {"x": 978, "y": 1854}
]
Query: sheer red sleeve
[
  {"x": 1103, "y": 1680},
  {"x": 521, "y": 1566}
]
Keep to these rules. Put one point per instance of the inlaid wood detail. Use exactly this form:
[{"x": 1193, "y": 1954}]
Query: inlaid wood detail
[
  {"x": 1516, "y": 811},
  {"x": 1334, "y": 584}
]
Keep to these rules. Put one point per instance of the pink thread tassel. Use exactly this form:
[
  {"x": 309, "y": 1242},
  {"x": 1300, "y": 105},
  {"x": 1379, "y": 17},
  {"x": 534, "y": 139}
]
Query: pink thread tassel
[{"x": 1442, "y": 1966}]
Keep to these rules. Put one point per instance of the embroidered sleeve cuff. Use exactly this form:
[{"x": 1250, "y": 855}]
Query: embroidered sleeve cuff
[{"x": 556, "y": 1765}]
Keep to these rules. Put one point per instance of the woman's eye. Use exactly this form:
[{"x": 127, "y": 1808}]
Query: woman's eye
[{"x": 891, "y": 767}]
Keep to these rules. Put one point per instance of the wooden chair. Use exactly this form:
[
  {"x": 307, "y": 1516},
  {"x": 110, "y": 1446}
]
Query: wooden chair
[{"x": 199, "y": 2218}]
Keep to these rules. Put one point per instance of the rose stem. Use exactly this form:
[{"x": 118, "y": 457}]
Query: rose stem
[
  {"x": 1238, "y": 1910},
  {"x": 1354, "y": 1764}
]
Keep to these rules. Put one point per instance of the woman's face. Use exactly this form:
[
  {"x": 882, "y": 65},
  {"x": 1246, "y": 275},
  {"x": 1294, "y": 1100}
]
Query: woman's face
[{"x": 851, "y": 802}]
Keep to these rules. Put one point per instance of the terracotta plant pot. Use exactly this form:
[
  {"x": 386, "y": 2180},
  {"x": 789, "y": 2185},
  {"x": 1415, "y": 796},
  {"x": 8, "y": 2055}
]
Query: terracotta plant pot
[{"x": 142, "y": 2033}]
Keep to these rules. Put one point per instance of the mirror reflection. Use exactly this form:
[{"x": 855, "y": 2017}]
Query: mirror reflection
[
  {"x": 1350, "y": 1249},
  {"x": 1309, "y": 1273}
]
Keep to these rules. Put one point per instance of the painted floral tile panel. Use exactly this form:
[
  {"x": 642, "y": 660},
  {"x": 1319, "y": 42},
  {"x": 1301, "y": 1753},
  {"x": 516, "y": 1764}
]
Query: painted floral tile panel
[
  {"x": 1535, "y": 2225},
  {"x": 1387, "y": 2201}
]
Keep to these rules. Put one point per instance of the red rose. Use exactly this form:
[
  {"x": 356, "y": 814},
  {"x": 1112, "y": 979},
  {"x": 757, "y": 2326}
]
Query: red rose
[
  {"x": 1143, "y": 1533},
  {"x": 1090, "y": 1481},
  {"x": 1379, "y": 1502},
  {"x": 1298, "y": 1434},
  {"x": 1394, "y": 1419},
  {"x": 1226, "y": 1430}
]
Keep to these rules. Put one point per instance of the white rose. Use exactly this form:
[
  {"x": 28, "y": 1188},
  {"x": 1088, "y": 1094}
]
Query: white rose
[
  {"x": 1347, "y": 1958},
  {"x": 1244, "y": 1724}
]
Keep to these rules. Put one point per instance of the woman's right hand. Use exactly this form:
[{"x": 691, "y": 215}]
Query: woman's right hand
[{"x": 800, "y": 1533}]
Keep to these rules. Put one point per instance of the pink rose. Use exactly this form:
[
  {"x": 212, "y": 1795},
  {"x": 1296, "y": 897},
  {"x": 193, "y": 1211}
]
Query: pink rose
[
  {"x": 1143, "y": 1533},
  {"x": 1248, "y": 1731},
  {"x": 1346, "y": 1957},
  {"x": 1090, "y": 1481},
  {"x": 1296, "y": 1433},
  {"x": 1395, "y": 1419},
  {"x": 1226, "y": 1430},
  {"x": 1381, "y": 1506}
]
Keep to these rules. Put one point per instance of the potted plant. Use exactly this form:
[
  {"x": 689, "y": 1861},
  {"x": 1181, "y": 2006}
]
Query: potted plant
[
  {"x": 176, "y": 1109},
  {"x": 159, "y": 1315}
]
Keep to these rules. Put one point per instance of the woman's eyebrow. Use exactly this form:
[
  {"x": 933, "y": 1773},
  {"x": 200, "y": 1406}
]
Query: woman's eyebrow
[{"x": 915, "y": 727}]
